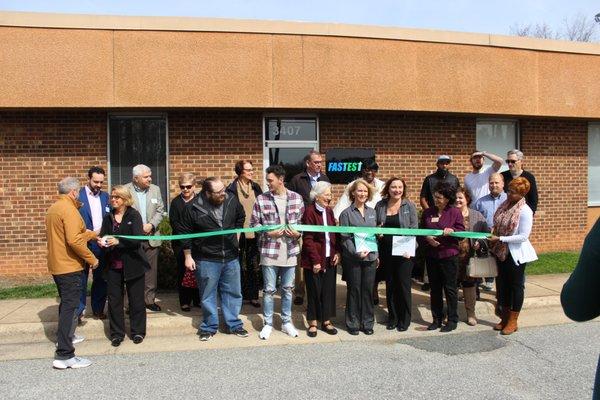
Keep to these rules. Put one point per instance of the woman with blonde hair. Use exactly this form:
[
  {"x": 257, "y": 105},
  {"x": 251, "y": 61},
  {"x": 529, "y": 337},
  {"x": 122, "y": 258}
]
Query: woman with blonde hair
[
  {"x": 359, "y": 263},
  {"x": 513, "y": 250},
  {"x": 126, "y": 264}
]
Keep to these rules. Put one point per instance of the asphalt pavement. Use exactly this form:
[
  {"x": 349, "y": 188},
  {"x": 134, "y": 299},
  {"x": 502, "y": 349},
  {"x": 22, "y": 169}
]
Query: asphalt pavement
[{"x": 549, "y": 362}]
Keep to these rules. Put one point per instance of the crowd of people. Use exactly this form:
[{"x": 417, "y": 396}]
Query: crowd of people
[{"x": 85, "y": 225}]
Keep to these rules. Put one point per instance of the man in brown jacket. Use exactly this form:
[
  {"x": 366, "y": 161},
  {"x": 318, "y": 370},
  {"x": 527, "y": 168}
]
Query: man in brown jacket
[{"x": 67, "y": 239}]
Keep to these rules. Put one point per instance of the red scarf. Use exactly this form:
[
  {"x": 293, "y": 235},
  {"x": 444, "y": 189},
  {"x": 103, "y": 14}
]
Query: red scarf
[{"x": 506, "y": 220}]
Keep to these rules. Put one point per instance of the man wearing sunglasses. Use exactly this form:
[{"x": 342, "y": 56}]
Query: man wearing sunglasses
[{"x": 514, "y": 159}]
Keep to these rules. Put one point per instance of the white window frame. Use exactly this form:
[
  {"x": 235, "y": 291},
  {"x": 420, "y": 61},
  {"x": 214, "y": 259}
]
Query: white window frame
[
  {"x": 288, "y": 144},
  {"x": 595, "y": 125},
  {"x": 500, "y": 120}
]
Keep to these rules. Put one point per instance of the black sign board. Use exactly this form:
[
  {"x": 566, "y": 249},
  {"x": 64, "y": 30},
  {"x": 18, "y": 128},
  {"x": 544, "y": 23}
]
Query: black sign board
[{"x": 345, "y": 165}]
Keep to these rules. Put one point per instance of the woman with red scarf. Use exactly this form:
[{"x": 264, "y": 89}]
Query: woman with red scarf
[{"x": 510, "y": 244}]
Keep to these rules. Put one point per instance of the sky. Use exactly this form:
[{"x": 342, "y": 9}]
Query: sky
[{"x": 482, "y": 16}]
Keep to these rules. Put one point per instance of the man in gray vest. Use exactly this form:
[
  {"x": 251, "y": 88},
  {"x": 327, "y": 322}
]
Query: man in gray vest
[{"x": 148, "y": 201}]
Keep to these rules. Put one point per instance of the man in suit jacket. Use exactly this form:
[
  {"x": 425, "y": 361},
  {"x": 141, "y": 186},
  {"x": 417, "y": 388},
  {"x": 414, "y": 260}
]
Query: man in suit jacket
[
  {"x": 94, "y": 208},
  {"x": 148, "y": 201}
]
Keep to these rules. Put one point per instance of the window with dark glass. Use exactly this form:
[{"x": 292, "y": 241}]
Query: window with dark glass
[{"x": 138, "y": 140}]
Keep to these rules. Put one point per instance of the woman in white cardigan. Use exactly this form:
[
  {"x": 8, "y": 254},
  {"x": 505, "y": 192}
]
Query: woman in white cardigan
[{"x": 513, "y": 250}]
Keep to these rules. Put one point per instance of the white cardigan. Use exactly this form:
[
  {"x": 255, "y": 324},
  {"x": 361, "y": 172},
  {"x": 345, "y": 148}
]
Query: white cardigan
[{"x": 519, "y": 245}]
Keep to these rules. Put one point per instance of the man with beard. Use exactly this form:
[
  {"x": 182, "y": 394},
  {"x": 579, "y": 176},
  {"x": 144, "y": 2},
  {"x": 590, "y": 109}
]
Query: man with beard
[
  {"x": 94, "y": 207},
  {"x": 431, "y": 181},
  {"x": 476, "y": 181},
  {"x": 215, "y": 258},
  {"x": 369, "y": 173}
]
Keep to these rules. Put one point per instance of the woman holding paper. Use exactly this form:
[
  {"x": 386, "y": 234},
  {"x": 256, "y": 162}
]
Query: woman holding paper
[
  {"x": 397, "y": 252},
  {"x": 127, "y": 266},
  {"x": 475, "y": 222},
  {"x": 442, "y": 255},
  {"x": 359, "y": 259}
]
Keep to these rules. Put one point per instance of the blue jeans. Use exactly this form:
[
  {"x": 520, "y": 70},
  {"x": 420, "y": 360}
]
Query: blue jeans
[
  {"x": 222, "y": 277},
  {"x": 287, "y": 286}
]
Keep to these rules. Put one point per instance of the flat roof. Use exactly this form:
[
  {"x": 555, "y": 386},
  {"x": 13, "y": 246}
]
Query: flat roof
[{"x": 193, "y": 24}]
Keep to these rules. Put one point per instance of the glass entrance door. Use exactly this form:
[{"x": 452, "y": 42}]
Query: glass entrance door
[{"x": 287, "y": 140}]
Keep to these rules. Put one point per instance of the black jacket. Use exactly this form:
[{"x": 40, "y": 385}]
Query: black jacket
[
  {"x": 300, "y": 184},
  {"x": 198, "y": 218},
  {"x": 531, "y": 198},
  {"x": 178, "y": 206},
  {"x": 431, "y": 181},
  {"x": 232, "y": 188},
  {"x": 135, "y": 263}
]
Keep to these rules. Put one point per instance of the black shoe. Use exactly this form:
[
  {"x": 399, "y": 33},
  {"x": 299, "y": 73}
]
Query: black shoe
[
  {"x": 390, "y": 327},
  {"x": 116, "y": 342},
  {"x": 353, "y": 332},
  {"x": 298, "y": 300},
  {"x": 449, "y": 327},
  {"x": 153, "y": 307},
  {"x": 137, "y": 339},
  {"x": 239, "y": 332},
  {"x": 205, "y": 335},
  {"x": 310, "y": 333},
  {"x": 329, "y": 329},
  {"x": 434, "y": 325},
  {"x": 401, "y": 328},
  {"x": 368, "y": 331},
  {"x": 186, "y": 308},
  {"x": 425, "y": 287}
]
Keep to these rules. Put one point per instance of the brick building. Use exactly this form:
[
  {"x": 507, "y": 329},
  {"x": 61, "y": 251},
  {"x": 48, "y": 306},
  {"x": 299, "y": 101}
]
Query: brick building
[{"x": 188, "y": 94}]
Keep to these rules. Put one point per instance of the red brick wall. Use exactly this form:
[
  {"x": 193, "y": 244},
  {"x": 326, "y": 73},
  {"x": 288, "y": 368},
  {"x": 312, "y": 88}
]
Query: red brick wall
[{"x": 38, "y": 148}]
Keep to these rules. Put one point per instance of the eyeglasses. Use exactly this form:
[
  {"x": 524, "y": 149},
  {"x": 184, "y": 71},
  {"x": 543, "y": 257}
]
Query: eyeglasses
[
  {"x": 249, "y": 169},
  {"x": 188, "y": 187},
  {"x": 511, "y": 161}
]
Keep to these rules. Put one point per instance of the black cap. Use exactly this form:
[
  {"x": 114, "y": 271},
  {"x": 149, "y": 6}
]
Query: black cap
[{"x": 370, "y": 164}]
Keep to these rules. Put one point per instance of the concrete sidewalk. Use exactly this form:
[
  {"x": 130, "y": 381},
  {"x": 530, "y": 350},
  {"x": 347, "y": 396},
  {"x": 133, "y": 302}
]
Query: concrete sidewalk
[{"x": 28, "y": 326}]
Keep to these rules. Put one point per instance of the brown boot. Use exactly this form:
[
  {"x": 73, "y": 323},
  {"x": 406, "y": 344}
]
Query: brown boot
[
  {"x": 504, "y": 320},
  {"x": 511, "y": 326},
  {"x": 470, "y": 298}
]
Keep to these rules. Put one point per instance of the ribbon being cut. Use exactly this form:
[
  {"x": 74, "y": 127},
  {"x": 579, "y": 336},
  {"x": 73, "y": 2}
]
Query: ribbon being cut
[{"x": 319, "y": 228}]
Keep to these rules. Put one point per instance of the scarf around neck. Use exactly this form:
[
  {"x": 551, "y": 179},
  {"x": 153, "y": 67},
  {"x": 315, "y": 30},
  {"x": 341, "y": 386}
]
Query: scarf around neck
[{"x": 506, "y": 220}]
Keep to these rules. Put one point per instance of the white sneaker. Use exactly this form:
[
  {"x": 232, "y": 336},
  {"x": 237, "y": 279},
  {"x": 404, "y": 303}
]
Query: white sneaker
[
  {"x": 74, "y": 362},
  {"x": 76, "y": 339},
  {"x": 265, "y": 332},
  {"x": 289, "y": 329}
]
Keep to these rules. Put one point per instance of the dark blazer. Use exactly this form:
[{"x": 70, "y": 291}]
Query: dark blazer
[
  {"x": 197, "y": 217},
  {"x": 313, "y": 243},
  {"x": 86, "y": 214},
  {"x": 232, "y": 188},
  {"x": 135, "y": 263},
  {"x": 531, "y": 198},
  {"x": 176, "y": 211},
  {"x": 300, "y": 184}
]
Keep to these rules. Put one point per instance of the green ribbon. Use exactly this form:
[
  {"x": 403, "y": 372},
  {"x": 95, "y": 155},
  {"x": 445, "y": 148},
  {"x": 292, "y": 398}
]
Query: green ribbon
[{"x": 316, "y": 228}]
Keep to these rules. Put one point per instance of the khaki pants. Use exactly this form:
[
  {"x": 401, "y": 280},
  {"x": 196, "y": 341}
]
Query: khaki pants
[{"x": 151, "y": 277}]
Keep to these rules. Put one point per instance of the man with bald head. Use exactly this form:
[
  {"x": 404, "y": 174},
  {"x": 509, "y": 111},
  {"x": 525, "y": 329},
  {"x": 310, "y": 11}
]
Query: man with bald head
[{"x": 488, "y": 204}]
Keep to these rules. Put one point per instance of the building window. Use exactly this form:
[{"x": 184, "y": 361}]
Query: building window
[
  {"x": 594, "y": 165},
  {"x": 497, "y": 137},
  {"x": 287, "y": 140},
  {"x": 138, "y": 140}
]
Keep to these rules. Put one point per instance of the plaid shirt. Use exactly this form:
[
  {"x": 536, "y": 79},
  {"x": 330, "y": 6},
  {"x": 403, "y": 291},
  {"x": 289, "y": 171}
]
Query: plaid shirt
[{"x": 265, "y": 212}]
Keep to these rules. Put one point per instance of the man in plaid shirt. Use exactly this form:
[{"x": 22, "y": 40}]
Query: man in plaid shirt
[{"x": 279, "y": 248}]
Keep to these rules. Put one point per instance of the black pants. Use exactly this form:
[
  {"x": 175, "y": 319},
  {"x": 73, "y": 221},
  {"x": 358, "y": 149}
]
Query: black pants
[
  {"x": 69, "y": 291},
  {"x": 187, "y": 295},
  {"x": 250, "y": 275},
  {"x": 398, "y": 290},
  {"x": 510, "y": 284},
  {"x": 360, "y": 278},
  {"x": 320, "y": 293},
  {"x": 137, "y": 306},
  {"x": 442, "y": 279}
]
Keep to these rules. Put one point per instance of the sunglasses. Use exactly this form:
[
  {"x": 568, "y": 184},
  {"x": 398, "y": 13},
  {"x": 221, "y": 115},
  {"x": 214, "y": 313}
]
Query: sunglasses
[
  {"x": 188, "y": 187},
  {"x": 511, "y": 161}
]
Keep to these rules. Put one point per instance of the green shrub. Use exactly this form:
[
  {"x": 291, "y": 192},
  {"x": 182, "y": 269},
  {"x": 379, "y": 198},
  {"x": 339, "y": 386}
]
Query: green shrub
[{"x": 167, "y": 264}]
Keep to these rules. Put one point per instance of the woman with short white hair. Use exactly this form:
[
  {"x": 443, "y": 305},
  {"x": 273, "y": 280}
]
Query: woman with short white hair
[{"x": 320, "y": 256}]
